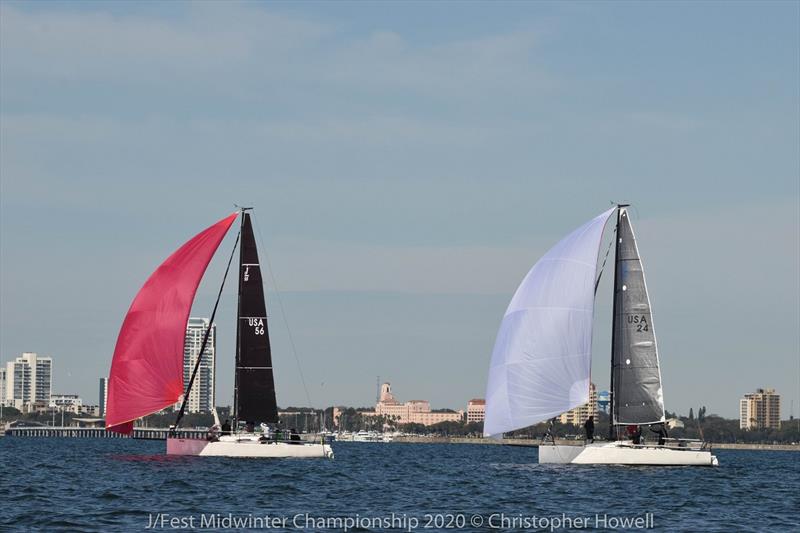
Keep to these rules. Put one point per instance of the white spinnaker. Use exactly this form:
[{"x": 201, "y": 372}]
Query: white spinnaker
[{"x": 541, "y": 360}]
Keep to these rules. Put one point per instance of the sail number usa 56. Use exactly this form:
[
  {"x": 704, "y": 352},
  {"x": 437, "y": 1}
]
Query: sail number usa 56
[{"x": 257, "y": 324}]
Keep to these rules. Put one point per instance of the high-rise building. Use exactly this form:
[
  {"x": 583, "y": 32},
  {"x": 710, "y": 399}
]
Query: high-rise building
[
  {"x": 29, "y": 380},
  {"x": 760, "y": 410},
  {"x": 2, "y": 386},
  {"x": 202, "y": 397},
  {"x": 103, "y": 396},
  {"x": 476, "y": 410},
  {"x": 581, "y": 414}
]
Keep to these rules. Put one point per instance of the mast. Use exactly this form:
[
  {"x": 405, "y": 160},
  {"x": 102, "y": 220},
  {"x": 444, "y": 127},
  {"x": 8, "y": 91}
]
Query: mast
[
  {"x": 242, "y": 210},
  {"x": 235, "y": 413},
  {"x": 612, "y": 399}
]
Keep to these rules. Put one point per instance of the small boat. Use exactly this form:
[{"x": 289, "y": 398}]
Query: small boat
[
  {"x": 147, "y": 373},
  {"x": 541, "y": 362},
  {"x": 367, "y": 436}
]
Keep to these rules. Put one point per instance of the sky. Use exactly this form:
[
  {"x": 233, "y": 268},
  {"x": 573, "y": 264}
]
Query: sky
[{"x": 408, "y": 163}]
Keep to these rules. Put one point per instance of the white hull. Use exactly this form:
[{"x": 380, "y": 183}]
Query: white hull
[
  {"x": 623, "y": 453},
  {"x": 232, "y": 447}
]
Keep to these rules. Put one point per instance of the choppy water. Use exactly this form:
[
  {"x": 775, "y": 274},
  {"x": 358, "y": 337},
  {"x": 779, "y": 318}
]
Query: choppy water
[{"x": 122, "y": 485}]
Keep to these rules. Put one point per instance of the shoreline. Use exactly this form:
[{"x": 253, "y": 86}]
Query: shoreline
[{"x": 534, "y": 443}]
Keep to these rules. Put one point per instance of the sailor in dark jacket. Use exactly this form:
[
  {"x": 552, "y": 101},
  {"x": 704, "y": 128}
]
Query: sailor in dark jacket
[
  {"x": 589, "y": 427},
  {"x": 661, "y": 431}
]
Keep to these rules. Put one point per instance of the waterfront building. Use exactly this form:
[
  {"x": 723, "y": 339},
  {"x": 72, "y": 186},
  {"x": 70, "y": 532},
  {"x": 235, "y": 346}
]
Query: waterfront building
[
  {"x": 476, "y": 410},
  {"x": 412, "y": 411},
  {"x": 2, "y": 385},
  {"x": 39, "y": 408},
  {"x": 28, "y": 380},
  {"x": 760, "y": 410},
  {"x": 89, "y": 410},
  {"x": 102, "y": 398},
  {"x": 581, "y": 414},
  {"x": 70, "y": 403},
  {"x": 202, "y": 396}
]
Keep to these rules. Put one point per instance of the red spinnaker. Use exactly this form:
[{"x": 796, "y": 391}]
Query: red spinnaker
[{"x": 147, "y": 369}]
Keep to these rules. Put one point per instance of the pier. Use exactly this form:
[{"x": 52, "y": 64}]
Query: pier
[{"x": 101, "y": 433}]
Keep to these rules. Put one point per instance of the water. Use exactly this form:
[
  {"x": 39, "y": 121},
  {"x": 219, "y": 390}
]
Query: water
[{"x": 121, "y": 485}]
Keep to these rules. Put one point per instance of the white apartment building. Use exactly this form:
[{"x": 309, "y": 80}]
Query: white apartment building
[
  {"x": 476, "y": 410},
  {"x": 202, "y": 397},
  {"x": 581, "y": 414},
  {"x": 28, "y": 380}
]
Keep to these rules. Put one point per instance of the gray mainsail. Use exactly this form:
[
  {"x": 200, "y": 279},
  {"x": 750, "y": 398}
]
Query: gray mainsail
[{"x": 636, "y": 378}]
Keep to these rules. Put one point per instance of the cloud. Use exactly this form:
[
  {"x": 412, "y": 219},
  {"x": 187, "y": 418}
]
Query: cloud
[
  {"x": 97, "y": 45},
  {"x": 482, "y": 66},
  {"x": 250, "y": 50}
]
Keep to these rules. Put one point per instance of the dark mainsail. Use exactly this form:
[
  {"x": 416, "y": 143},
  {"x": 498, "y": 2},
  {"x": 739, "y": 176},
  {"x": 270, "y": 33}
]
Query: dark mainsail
[
  {"x": 636, "y": 379},
  {"x": 254, "y": 392}
]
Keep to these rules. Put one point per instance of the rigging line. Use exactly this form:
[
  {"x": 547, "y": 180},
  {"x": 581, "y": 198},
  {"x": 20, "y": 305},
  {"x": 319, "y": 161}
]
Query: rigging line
[
  {"x": 283, "y": 312},
  {"x": 205, "y": 337},
  {"x": 597, "y": 283}
]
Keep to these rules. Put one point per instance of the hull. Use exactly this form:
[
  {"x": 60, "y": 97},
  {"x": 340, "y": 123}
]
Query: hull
[
  {"x": 246, "y": 448},
  {"x": 625, "y": 454}
]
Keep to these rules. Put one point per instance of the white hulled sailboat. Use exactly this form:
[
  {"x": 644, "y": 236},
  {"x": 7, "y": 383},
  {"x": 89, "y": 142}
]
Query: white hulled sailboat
[
  {"x": 147, "y": 368},
  {"x": 541, "y": 361}
]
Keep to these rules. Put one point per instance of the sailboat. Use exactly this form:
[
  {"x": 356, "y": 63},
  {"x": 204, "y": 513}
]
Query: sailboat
[
  {"x": 541, "y": 362},
  {"x": 147, "y": 370}
]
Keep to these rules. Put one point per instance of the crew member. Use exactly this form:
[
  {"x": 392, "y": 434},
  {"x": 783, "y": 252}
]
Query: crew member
[
  {"x": 635, "y": 433},
  {"x": 661, "y": 431},
  {"x": 589, "y": 427},
  {"x": 637, "y": 437}
]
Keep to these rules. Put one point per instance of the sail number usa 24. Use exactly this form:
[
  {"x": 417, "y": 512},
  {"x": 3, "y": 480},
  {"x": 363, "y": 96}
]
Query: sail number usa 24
[
  {"x": 640, "y": 321},
  {"x": 257, "y": 324}
]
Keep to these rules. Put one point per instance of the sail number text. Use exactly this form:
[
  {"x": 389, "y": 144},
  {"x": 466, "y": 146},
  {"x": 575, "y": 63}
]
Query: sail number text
[
  {"x": 257, "y": 324},
  {"x": 640, "y": 321}
]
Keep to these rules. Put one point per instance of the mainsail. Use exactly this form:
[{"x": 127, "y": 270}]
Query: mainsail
[
  {"x": 541, "y": 361},
  {"x": 254, "y": 394},
  {"x": 636, "y": 387},
  {"x": 147, "y": 368}
]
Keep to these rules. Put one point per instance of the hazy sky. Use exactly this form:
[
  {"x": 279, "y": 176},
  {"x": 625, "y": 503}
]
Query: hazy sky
[{"x": 408, "y": 162}]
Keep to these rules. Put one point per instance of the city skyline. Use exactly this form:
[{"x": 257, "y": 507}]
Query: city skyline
[
  {"x": 407, "y": 166},
  {"x": 576, "y": 415}
]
